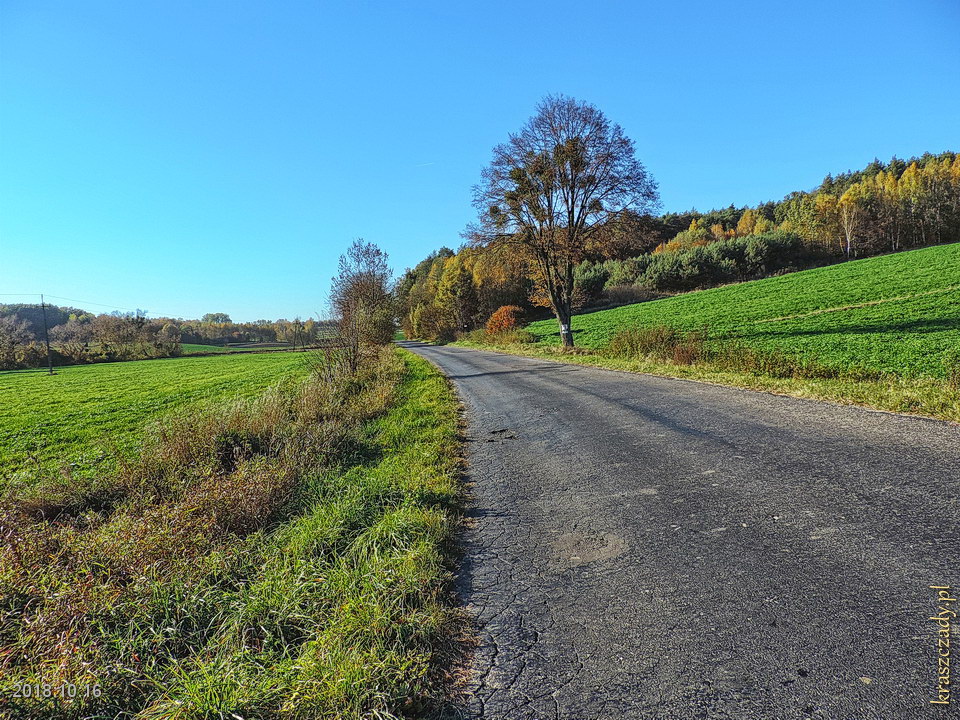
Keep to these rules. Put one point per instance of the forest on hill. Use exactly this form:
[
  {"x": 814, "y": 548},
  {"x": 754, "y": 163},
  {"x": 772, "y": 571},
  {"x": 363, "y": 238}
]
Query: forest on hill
[{"x": 881, "y": 208}]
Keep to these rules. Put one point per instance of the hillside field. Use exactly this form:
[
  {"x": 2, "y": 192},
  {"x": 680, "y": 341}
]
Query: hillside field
[
  {"x": 897, "y": 313},
  {"x": 72, "y": 416}
]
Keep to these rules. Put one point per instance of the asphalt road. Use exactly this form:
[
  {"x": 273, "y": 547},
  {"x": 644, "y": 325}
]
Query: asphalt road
[{"x": 653, "y": 548}]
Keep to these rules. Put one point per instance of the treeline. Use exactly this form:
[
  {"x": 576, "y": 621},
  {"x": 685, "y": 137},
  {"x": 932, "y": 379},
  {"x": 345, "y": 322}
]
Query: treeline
[
  {"x": 450, "y": 292},
  {"x": 77, "y": 336},
  {"x": 882, "y": 208},
  {"x": 83, "y": 338},
  {"x": 219, "y": 329}
]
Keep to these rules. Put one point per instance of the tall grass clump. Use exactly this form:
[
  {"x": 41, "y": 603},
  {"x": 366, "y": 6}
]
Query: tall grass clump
[
  {"x": 662, "y": 343},
  {"x": 501, "y": 337},
  {"x": 952, "y": 364},
  {"x": 282, "y": 556}
]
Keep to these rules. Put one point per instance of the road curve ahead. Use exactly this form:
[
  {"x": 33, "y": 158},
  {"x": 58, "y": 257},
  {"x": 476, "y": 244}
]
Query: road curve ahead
[{"x": 654, "y": 548}]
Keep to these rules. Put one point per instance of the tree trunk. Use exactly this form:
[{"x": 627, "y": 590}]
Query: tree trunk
[{"x": 566, "y": 335}]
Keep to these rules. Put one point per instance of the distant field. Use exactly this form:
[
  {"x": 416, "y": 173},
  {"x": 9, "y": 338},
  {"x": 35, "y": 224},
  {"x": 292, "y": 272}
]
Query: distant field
[
  {"x": 194, "y": 349},
  {"x": 72, "y": 416},
  {"x": 898, "y": 313}
]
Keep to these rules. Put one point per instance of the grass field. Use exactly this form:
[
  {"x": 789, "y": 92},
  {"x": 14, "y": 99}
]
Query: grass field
[
  {"x": 81, "y": 411},
  {"x": 898, "y": 313}
]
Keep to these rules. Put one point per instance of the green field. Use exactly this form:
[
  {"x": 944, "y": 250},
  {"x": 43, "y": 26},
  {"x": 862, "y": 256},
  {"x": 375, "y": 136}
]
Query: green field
[
  {"x": 897, "y": 313},
  {"x": 82, "y": 410},
  {"x": 194, "y": 349}
]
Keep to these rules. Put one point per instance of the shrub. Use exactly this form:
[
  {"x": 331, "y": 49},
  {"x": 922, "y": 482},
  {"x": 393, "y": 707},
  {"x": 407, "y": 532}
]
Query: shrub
[
  {"x": 428, "y": 322},
  {"x": 639, "y": 342},
  {"x": 626, "y": 272},
  {"x": 629, "y": 294},
  {"x": 665, "y": 344},
  {"x": 690, "y": 350},
  {"x": 660, "y": 342},
  {"x": 590, "y": 279},
  {"x": 515, "y": 337},
  {"x": 476, "y": 336},
  {"x": 507, "y": 317}
]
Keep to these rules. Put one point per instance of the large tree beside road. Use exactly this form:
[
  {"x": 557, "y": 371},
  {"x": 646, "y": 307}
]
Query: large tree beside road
[{"x": 568, "y": 174}]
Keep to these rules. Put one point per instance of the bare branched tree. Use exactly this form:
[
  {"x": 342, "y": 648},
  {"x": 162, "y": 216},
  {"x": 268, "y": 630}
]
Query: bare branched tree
[
  {"x": 362, "y": 300},
  {"x": 567, "y": 174}
]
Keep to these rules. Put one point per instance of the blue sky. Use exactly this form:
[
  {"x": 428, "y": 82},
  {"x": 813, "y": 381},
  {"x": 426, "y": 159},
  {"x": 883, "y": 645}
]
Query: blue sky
[{"x": 195, "y": 156}]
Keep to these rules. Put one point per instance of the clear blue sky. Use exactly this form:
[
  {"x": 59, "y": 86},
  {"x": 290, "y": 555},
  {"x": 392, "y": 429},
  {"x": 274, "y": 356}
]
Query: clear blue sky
[{"x": 195, "y": 156}]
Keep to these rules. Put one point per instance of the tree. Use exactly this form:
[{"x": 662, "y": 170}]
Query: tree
[
  {"x": 216, "y": 318},
  {"x": 746, "y": 223},
  {"x": 456, "y": 295},
  {"x": 563, "y": 177},
  {"x": 851, "y": 205},
  {"x": 13, "y": 333},
  {"x": 361, "y": 299}
]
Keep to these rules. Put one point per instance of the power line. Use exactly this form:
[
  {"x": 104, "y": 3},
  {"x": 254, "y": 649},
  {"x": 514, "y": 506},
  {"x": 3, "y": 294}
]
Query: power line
[
  {"x": 90, "y": 302},
  {"x": 46, "y": 335},
  {"x": 156, "y": 314},
  {"x": 87, "y": 302}
]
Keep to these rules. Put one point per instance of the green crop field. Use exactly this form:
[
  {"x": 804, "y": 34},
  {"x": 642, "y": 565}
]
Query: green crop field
[
  {"x": 897, "y": 313},
  {"x": 83, "y": 410}
]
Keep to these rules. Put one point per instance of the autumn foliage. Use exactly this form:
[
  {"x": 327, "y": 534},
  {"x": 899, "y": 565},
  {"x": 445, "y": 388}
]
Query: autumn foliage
[{"x": 507, "y": 317}]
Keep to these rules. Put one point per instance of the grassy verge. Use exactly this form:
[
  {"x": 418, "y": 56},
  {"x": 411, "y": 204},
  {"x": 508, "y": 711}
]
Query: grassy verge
[
  {"x": 281, "y": 557},
  {"x": 929, "y": 396}
]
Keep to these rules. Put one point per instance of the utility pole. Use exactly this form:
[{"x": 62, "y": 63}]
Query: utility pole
[{"x": 46, "y": 335}]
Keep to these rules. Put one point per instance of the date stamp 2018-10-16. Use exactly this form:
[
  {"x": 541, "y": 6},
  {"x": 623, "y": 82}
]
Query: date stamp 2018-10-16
[{"x": 61, "y": 690}]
